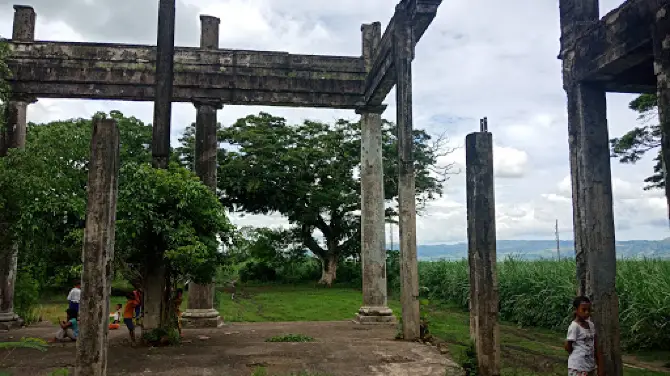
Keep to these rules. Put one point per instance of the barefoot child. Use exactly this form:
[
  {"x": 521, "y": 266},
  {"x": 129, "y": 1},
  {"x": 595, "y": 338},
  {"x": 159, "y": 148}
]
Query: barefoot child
[
  {"x": 68, "y": 329},
  {"x": 581, "y": 342},
  {"x": 128, "y": 313}
]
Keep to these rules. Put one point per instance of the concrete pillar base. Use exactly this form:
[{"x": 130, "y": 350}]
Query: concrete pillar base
[
  {"x": 10, "y": 321},
  {"x": 375, "y": 315},
  {"x": 201, "y": 318}
]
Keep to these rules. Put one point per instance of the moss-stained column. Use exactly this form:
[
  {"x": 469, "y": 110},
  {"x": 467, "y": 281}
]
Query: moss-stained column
[
  {"x": 482, "y": 250},
  {"x": 201, "y": 311},
  {"x": 591, "y": 175},
  {"x": 403, "y": 51},
  {"x": 98, "y": 253},
  {"x": 13, "y": 137},
  {"x": 662, "y": 69}
]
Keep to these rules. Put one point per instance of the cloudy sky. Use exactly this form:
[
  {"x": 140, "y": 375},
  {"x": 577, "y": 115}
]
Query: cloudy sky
[{"x": 479, "y": 58}]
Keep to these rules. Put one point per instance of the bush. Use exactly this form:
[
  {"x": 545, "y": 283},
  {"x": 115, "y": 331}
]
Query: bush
[{"x": 26, "y": 297}]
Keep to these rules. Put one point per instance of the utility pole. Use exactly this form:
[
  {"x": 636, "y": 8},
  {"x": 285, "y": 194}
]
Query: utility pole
[{"x": 558, "y": 242}]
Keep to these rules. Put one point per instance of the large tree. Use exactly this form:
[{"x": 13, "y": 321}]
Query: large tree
[
  {"x": 646, "y": 137},
  {"x": 309, "y": 173}
]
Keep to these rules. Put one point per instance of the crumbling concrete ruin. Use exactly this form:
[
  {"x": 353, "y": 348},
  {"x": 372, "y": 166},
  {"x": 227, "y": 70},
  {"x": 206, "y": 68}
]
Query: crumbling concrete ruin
[
  {"x": 210, "y": 77},
  {"x": 627, "y": 51}
]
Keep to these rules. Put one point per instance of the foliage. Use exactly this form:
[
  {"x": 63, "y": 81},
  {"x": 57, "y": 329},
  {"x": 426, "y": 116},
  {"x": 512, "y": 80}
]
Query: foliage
[
  {"x": 170, "y": 211},
  {"x": 4, "y": 86},
  {"x": 44, "y": 191},
  {"x": 538, "y": 294},
  {"x": 307, "y": 172},
  {"x": 162, "y": 337},
  {"x": 25, "y": 343},
  {"x": 290, "y": 338},
  {"x": 467, "y": 358},
  {"x": 26, "y": 296},
  {"x": 633, "y": 145}
]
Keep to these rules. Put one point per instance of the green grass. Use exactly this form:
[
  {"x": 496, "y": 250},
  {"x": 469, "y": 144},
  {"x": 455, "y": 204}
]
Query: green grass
[{"x": 290, "y": 338}]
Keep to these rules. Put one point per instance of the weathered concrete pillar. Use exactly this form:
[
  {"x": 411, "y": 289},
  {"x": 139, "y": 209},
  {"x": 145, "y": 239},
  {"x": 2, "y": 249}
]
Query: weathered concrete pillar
[
  {"x": 23, "y": 29},
  {"x": 592, "y": 188},
  {"x": 403, "y": 51},
  {"x": 662, "y": 69},
  {"x": 482, "y": 250},
  {"x": 201, "y": 311},
  {"x": 373, "y": 250},
  {"x": 154, "y": 280},
  {"x": 98, "y": 253},
  {"x": 13, "y": 136}
]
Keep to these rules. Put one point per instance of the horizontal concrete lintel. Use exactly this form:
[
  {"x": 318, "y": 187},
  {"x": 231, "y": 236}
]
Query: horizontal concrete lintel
[
  {"x": 186, "y": 79},
  {"x": 144, "y": 54},
  {"x": 607, "y": 46},
  {"x": 182, "y": 94}
]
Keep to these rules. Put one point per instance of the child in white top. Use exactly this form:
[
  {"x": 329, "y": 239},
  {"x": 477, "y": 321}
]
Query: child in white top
[{"x": 581, "y": 341}]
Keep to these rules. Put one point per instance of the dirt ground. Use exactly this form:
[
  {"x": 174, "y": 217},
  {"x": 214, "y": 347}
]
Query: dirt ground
[{"x": 339, "y": 349}]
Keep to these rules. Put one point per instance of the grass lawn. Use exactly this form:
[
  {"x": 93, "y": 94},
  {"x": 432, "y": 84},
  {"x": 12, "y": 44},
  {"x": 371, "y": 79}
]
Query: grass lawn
[{"x": 524, "y": 351}]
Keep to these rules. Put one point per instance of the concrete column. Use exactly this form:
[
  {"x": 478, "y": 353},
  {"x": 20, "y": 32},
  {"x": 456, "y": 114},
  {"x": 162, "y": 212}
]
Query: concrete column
[
  {"x": 592, "y": 188},
  {"x": 403, "y": 51},
  {"x": 154, "y": 279},
  {"x": 482, "y": 250},
  {"x": 373, "y": 251},
  {"x": 14, "y": 136},
  {"x": 662, "y": 69},
  {"x": 201, "y": 311},
  {"x": 98, "y": 252},
  {"x": 24, "y": 24}
]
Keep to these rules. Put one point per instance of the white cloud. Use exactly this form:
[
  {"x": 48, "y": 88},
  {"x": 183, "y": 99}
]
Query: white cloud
[{"x": 465, "y": 68}]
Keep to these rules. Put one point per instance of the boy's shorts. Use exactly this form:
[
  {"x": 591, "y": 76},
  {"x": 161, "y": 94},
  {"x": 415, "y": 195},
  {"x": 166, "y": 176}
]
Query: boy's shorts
[
  {"x": 129, "y": 323},
  {"x": 572, "y": 372}
]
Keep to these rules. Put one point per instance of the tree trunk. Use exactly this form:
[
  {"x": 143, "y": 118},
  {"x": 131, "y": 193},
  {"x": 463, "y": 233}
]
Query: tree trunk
[{"x": 328, "y": 269}]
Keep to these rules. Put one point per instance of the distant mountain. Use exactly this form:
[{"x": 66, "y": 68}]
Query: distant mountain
[{"x": 537, "y": 249}]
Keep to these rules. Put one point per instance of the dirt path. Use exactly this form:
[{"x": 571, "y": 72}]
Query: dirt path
[{"x": 340, "y": 349}]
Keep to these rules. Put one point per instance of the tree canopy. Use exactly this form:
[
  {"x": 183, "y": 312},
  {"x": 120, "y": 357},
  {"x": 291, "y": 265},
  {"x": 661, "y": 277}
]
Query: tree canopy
[
  {"x": 43, "y": 193},
  {"x": 309, "y": 173},
  {"x": 634, "y": 145}
]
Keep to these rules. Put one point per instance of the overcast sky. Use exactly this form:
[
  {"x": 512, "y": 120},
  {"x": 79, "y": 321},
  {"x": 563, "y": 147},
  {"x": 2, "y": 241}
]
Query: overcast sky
[{"x": 479, "y": 58}]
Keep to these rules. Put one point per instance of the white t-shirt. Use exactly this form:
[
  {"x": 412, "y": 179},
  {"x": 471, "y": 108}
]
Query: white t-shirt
[
  {"x": 583, "y": 357},
  {"x": 74, "y": 295}
]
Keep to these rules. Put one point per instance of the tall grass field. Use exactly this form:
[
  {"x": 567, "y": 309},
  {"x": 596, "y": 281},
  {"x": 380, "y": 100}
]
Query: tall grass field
[{"x": 539, "y": 294}]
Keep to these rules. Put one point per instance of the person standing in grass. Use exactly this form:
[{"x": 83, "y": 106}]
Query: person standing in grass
[
  {"x": 74, "y": 296},
  {"x": 581, "y": 342},
  {"x": 128, "y": 313}
]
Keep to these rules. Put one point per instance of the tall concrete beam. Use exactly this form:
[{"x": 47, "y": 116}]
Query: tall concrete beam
[
  {"x": 382, "y": 76},
  {"x": 661, "y": 36},
  {"x": 156, "y": 295},
  {"x": 98, "y": 252},
  {"x": 373, "y": 251},
  {"x": 13, "y": 137},
  {"x": 482, "y": 250},
  {"x": 403, "y": 52},
  {"x": 201, "y": 311}
]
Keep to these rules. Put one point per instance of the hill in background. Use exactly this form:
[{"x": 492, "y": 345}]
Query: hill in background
[{"x": 538, "y": 249}]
